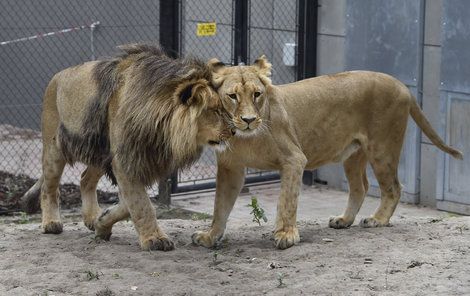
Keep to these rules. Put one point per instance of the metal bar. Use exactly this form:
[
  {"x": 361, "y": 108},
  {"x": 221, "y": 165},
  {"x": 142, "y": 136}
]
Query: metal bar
[{"x": 211, "y": 185}]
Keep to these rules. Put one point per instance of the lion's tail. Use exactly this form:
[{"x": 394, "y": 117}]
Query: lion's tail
[
  {"x": 30, "y": 200},
  {"x": 427, "y": 129}
]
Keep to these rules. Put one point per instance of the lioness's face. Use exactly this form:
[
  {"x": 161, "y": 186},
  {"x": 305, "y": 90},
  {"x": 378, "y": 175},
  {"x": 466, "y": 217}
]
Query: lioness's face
[{"x": 242, "y": 91}]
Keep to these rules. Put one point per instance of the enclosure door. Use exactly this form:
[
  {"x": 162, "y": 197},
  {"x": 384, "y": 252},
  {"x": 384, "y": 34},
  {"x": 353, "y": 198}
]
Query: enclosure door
[
  {"x": 386, "y": 36},
  {"x": 453, "y": 176}
]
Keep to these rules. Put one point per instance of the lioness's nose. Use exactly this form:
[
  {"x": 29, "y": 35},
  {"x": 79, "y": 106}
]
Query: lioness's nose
[{"x": 248, "y": 119}]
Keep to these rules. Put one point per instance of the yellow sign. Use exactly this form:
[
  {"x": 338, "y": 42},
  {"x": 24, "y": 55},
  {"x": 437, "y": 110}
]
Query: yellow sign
[{"x": 206, "y": 29}]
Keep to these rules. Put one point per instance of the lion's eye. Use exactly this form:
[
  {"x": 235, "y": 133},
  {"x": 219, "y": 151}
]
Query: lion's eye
[
  {"x": 233, "y": 96},
  {"x": 257, "y": 94}
]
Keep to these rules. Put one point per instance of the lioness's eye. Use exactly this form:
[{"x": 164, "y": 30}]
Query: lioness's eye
[
  {"x": 233, "y": 96},
  {"x": 257, "y": 94}
]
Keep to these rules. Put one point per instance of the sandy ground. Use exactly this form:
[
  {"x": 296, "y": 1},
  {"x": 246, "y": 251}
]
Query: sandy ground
[{"x": 425, "y": 252}]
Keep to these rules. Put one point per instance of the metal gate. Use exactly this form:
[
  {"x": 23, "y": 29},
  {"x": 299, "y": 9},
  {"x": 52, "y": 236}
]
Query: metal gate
[
  {"x": 244, "y": 30},
  {"x": 453, "y": 176},
  {"x": 386, "y": 36}
]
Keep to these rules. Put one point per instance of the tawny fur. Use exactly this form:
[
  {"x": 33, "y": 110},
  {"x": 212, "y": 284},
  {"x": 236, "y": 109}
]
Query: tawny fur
[
  {"x": 136, "y": 117},
  {"x": 354, "y": 117}
]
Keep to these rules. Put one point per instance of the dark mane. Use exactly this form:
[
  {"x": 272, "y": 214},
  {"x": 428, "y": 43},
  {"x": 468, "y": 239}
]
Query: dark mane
[{"x": 144, "y": 117}]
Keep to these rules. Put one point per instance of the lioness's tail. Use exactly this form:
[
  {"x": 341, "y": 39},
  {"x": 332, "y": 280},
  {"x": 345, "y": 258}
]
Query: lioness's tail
[
  {"x": 30, "y": 200},
  {"x": 427, "y": 129}
]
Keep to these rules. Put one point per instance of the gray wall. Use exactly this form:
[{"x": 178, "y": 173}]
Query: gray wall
[{"x": 331, "y": 58}]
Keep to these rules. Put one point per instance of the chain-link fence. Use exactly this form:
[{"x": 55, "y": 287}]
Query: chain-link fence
[{"x": 40, "y": 38}]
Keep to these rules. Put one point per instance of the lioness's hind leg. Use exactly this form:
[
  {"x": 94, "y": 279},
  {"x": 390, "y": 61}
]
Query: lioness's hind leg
[
  {"x": 53, "y": 165},
  {"x": 90, "y": 207},
  {"x": 355, "y": 170},
  {"x": 386, "y": 172}
]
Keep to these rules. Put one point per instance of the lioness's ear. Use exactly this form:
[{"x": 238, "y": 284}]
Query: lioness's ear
[
  {"x": 215, "y": 65},
  {"x": 263, "y": 66}
]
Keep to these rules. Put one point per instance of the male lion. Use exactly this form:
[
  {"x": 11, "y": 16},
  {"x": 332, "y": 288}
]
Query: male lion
[
  {"x": 356, "y": 117},
  {"x": 136, "y": 118}
]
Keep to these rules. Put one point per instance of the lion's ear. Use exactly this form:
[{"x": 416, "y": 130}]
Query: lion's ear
[
  {"x": 193, "y": 93},
  {"x": 263, "y": 66},
  {"x": 186, "y": 94},
  {"x": 215, "y": 65}
]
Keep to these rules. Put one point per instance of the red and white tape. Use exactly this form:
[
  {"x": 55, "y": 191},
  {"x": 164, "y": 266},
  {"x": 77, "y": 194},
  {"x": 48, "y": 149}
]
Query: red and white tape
[{"x": 41, "y": 35}]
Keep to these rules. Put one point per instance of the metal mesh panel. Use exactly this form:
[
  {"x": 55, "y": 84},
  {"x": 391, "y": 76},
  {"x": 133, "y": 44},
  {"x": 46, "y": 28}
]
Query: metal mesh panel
[
  {"x": 273, "y": 29},
  {"x": 40, "y": 38}
]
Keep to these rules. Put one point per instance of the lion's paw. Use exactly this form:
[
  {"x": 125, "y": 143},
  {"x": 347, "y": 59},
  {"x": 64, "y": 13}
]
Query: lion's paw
[
  {"x": 54, "y": 227},
  {"x": 89, "y": 220},
  {"x": 372, "y": 222},
  {"x": 157, "y": 244},
  {"x": 286, "y": 238},
  {"x": 339, "y": 222},
  {"x": 203, "y": 238},
  {"x": 102, "y": 232}
]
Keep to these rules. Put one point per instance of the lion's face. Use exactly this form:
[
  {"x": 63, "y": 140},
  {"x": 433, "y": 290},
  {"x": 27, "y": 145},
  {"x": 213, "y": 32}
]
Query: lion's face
[
  {"x": 213, "y": 130},
  {"x": 242, "y": 91}
]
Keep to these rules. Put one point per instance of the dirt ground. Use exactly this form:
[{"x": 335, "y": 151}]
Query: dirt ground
[{"x": 425, "y": 252}]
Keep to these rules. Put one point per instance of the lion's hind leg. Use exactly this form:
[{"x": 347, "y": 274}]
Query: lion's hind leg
[
  {"x": 90, "y": 207},
  {"x": 53, "y": 164},
  {"x": 355, "y": 170}
]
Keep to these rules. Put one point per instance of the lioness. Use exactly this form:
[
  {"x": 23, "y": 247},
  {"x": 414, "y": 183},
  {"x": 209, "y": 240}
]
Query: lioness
[
  {"x": 136, "y": 117},
  {"x": 356, "y": 117}
]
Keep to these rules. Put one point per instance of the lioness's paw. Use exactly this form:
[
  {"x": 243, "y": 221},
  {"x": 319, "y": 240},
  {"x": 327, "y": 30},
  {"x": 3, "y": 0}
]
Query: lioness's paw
[
  {"x": 203, "y": 238},
  {"x": 158, "y": 244},
  {"x": 286, "y": 238},
  {"x": 54, "y": 227},
  {"x": 339, "y": 222},
  {"x": 372, "y": 222}
]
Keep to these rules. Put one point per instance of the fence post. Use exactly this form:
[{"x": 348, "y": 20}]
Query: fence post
[
  {"x": 170, "y": 26},
  {"x": 170, "y": 12},
  {"x": 307, "y": 55},
  {"x": 307, "y": 39},
  {"x": 240, "y": 53}
]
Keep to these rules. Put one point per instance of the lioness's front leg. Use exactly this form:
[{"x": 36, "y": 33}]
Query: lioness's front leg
[
  {"x": 286, "y": 233},
  {"x": 90, "y": 207},
  {"x": 229, "y": 183},
  {"x": 142, "y": 213}
]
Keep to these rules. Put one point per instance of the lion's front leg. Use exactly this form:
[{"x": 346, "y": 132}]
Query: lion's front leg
[
  {"x": 229, "y": 183},
  {"x": 104, "y": 223},
  {"x": 142, "y": 214},
  {"x": 286, "y": 233}
]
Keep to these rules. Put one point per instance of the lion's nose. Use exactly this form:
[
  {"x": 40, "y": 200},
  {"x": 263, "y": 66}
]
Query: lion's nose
[{"x": 248, "y": 119}]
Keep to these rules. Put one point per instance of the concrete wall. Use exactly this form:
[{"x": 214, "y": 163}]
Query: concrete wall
[{"x": 330, "y": 57}]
